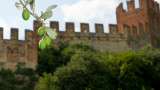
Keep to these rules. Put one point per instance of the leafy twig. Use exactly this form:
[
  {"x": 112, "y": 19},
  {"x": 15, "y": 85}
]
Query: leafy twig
[
  {"x": 34, "y": 15},
  {"x": 47, "y": 32}
]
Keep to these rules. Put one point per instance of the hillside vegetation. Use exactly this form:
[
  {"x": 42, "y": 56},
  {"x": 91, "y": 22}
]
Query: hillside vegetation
[{"x": 78, "y": 66}]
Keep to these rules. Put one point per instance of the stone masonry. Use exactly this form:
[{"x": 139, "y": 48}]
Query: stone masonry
[{"x": 135, "y": 28}]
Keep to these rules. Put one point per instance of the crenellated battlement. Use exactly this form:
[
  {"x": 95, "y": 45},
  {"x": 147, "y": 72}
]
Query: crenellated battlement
[
  {"x": 136, "y": 14},
  {"x": 143, "y": 4},
  {"x": 130, "y": 5},
  {"x": 14, "y": 35},
  {"x": 99, "y": 29},
  {"x": 31, "y": 37},
  {"x": 1, "y": 33}
]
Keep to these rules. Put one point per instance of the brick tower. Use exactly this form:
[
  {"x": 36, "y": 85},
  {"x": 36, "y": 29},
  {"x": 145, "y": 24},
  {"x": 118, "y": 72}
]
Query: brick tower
[{"x": 135, "y": 18}]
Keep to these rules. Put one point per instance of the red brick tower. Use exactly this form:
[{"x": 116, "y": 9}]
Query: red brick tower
[{"x": 147, "y": 13}]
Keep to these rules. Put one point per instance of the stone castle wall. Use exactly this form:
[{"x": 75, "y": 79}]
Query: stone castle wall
[
  {"x": 18, "y": 52},
  {"x": 135, "y": 28}
]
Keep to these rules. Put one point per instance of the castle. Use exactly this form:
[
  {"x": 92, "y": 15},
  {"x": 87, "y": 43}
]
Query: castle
[{"x": 135, "y": 28}]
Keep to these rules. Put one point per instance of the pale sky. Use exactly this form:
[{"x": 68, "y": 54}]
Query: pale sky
[{"x": 85, "y": 11}]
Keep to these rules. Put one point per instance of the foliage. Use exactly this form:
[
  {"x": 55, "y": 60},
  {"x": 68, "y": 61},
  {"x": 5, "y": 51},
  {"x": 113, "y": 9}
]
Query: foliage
[
  {"x": 79, "y": 74},
  {"x": 128, "y": 70},
  {"x": 76, "y": 47},
  {"x": 77, "y": 66},
  {"x": 25, "y": 71},
  {"x": 87, "y": 68},
  {"x": 83, "y": 71},
  {"x": 49, "y": 61},
  {"x": 10, "y": 80},
  {"x": 6, "y": 73},
  {"x": 53, "y": 57},
  {"x": 152, "y": 56},
  {"x": 22, "y": 5},
  {"x": 45, "y": 83},
  {"x": 7, "y": 80}
]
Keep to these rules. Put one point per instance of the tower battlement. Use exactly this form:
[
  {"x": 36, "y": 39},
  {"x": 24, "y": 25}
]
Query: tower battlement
[
  {"x": 143, "y": 4},
  {"x": 147, "y": 13}
]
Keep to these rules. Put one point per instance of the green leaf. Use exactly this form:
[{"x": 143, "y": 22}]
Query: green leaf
[
  {"x": 41, "y": 12},
  {"x": 28, "y": 1},
  {"x": 50, "y": 8},
  {"x": 51, "y": 33},
  {"x": 46, "y": 15},
  {"x": 32, "y": 5},
  {"x": 19, "y": 6}
]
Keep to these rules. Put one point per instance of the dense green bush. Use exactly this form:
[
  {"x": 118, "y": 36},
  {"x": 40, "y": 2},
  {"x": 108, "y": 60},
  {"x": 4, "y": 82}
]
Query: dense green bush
[
  {"x": 90, "y": 68},
  {"x": 6, "y": 73},
  {"x": 49, "y": 59},
  {"x": 152, "y": 73},
  {"x": 25, "y": 71},
  {"x": 53, "y": 57},
  {"x": 17, "y": 80}
]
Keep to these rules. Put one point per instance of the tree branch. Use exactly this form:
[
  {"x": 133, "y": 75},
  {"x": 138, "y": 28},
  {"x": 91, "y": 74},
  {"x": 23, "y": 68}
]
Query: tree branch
[{"x": 34, "y": 15}]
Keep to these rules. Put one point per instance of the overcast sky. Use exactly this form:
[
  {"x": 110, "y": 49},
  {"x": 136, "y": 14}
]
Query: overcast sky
[{"x": 86, "y": 11}]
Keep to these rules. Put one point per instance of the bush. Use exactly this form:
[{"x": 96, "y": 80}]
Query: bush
[
  {"x": 84, "y": 70},
  {"x": 10, "y": 82},
  {"x": 49, "y": 59},
  {"x": 25, "y": 71},
  {"x": 6, "y": 73},
  {"x": 88, "y": 68}
]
